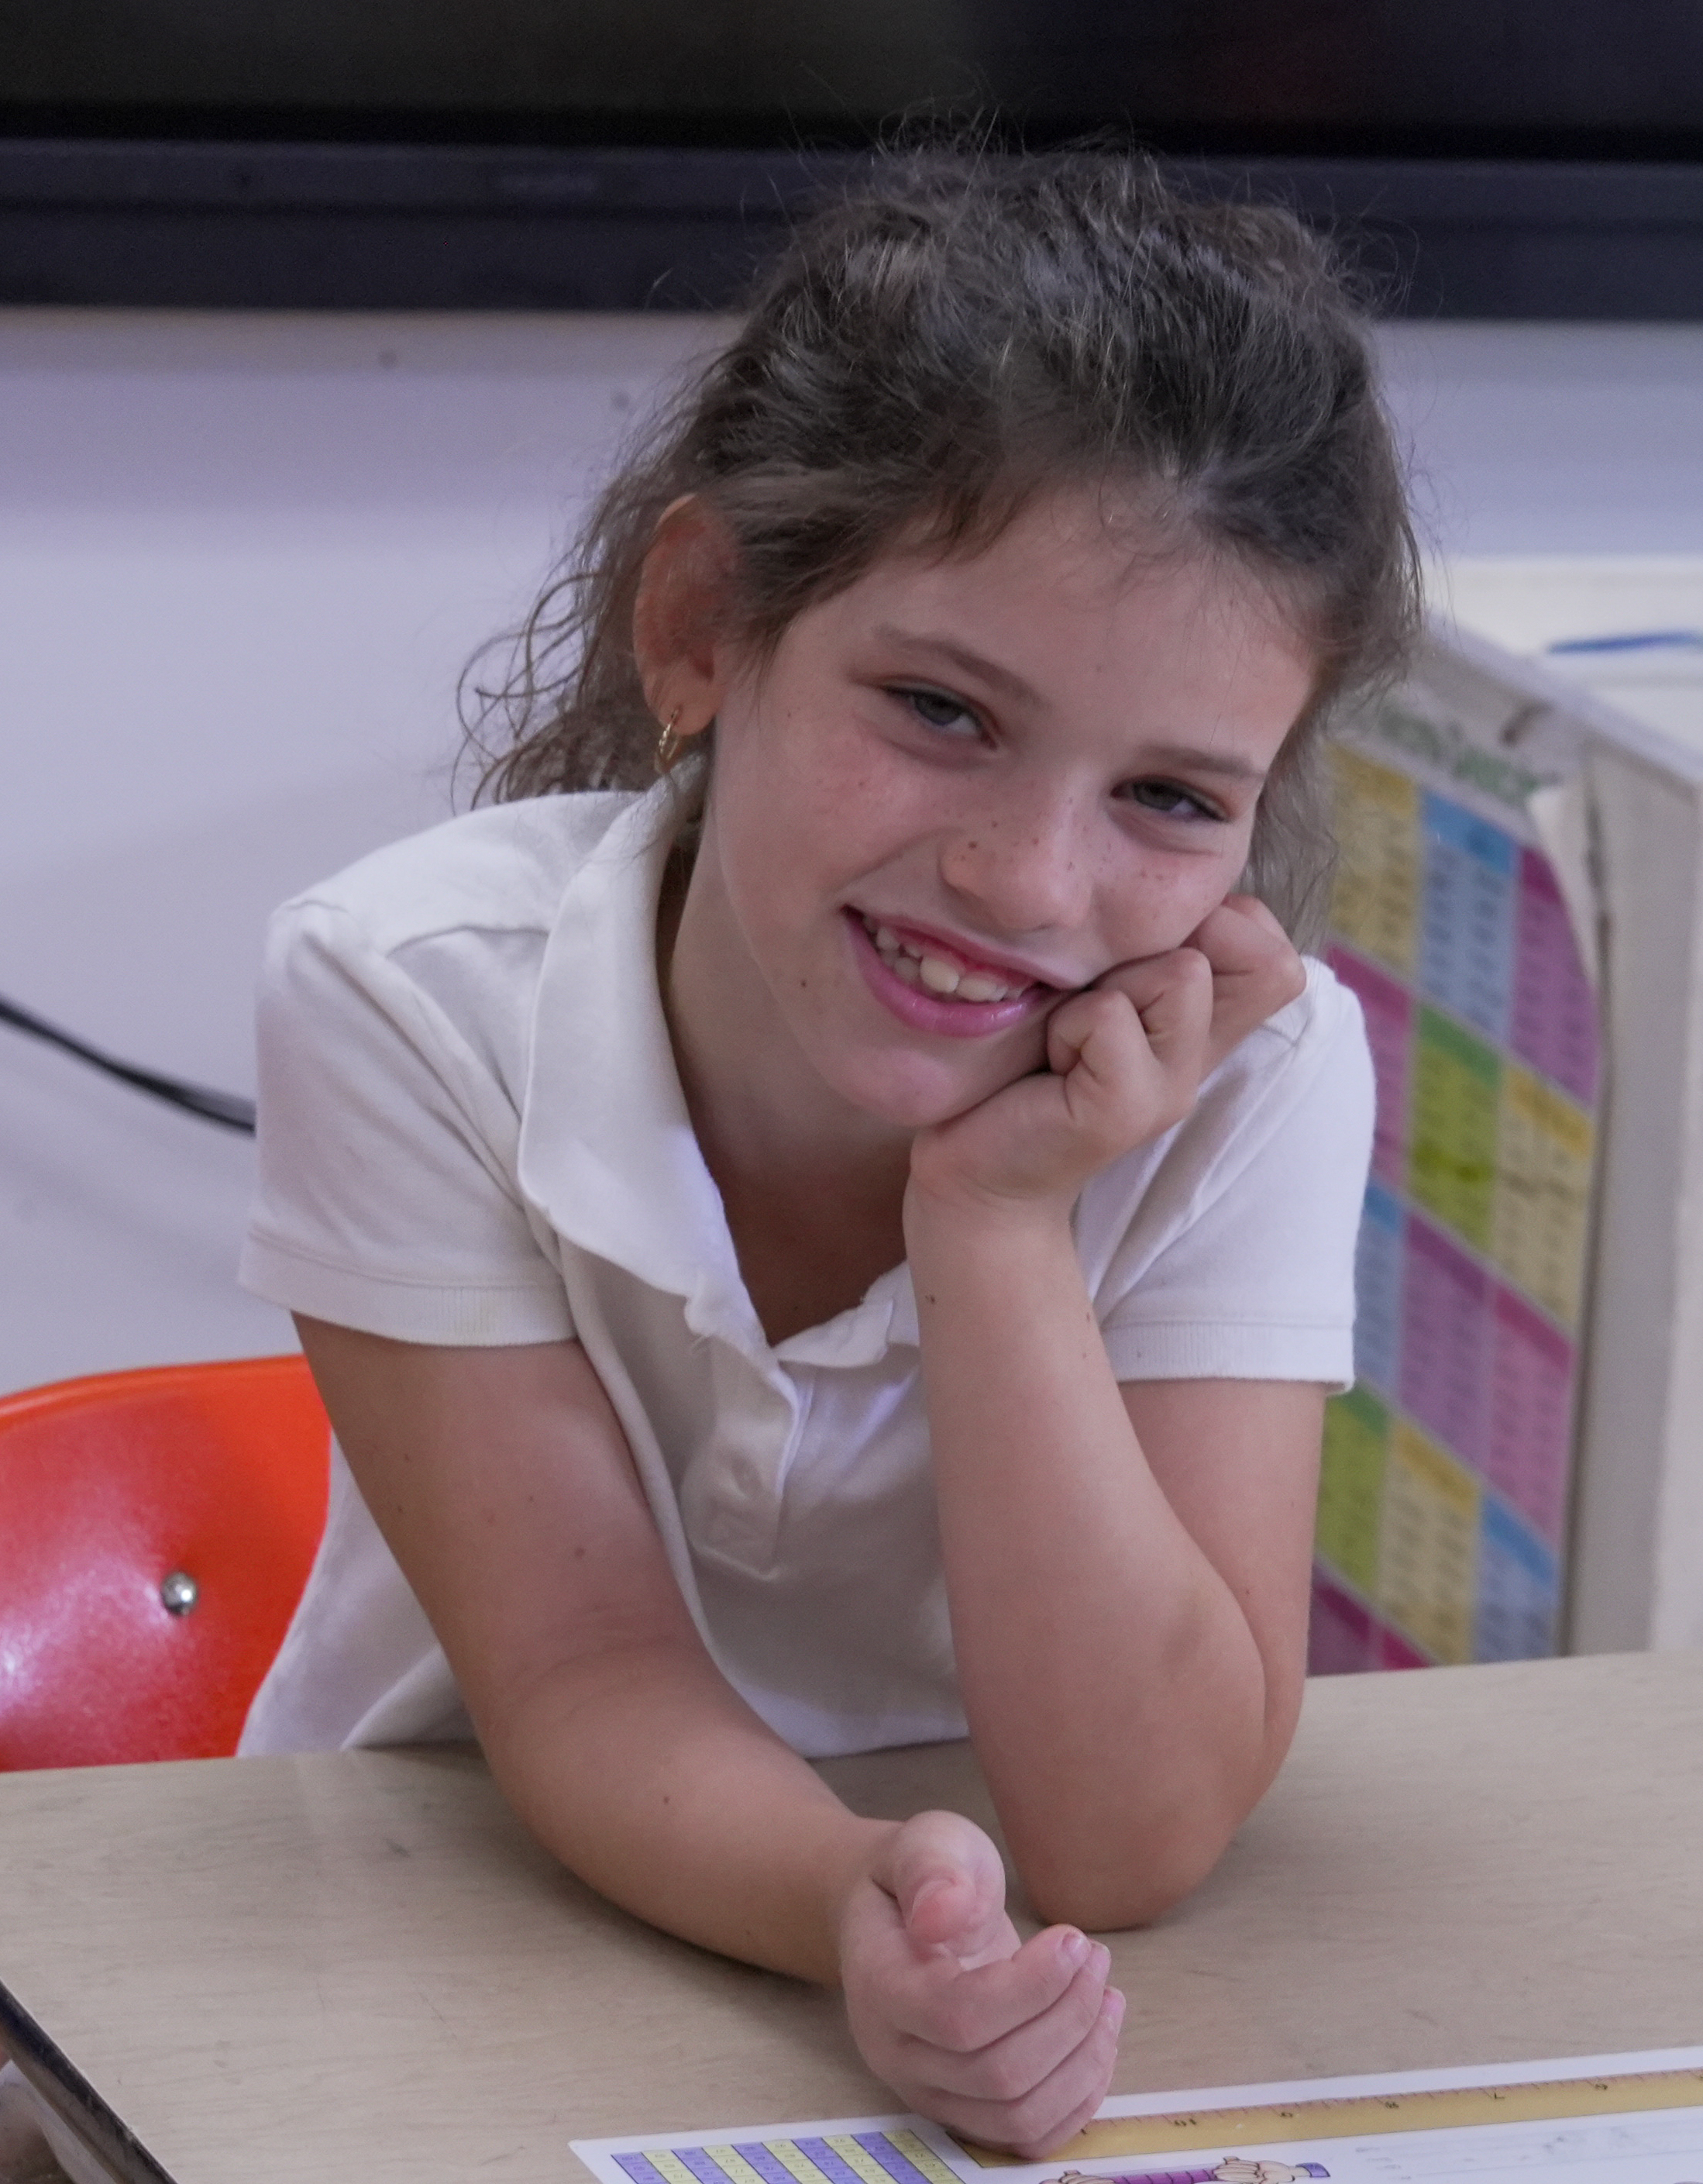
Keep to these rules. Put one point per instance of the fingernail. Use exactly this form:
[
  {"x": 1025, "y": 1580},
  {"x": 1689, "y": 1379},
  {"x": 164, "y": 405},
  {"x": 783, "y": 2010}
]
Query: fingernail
[
  {"x": 1076, "y": 1947},
  {"x": 1112, "y": 2006}
]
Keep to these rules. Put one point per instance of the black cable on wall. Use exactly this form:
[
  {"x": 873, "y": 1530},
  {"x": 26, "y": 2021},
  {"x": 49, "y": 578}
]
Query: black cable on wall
[{"x": 230, "y": 1111}]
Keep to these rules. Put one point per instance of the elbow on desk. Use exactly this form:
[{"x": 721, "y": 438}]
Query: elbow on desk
[
  {"x": 1086, "y": 1858},
  {"x": 1106, "y": 1888}
]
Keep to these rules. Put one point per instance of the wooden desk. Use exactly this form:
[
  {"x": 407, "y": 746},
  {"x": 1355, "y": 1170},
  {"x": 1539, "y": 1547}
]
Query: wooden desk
[{"x": 351, "y": 1970}]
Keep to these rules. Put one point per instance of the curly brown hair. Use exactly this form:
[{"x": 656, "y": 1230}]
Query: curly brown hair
[{"x": 955, "y": 336}]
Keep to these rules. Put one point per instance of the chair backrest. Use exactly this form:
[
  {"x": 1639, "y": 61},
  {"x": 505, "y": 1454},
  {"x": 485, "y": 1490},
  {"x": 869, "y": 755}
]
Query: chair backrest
[{"x": 156, "y": 1530}]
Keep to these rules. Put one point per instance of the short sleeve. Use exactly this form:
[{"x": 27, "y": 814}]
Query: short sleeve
[
  {"x": 1255, "y": 1281},
  {"x": 388, "y": 1150}
]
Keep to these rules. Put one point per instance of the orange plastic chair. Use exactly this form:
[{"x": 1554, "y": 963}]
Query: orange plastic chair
[{"x": 156, "y": 1530}]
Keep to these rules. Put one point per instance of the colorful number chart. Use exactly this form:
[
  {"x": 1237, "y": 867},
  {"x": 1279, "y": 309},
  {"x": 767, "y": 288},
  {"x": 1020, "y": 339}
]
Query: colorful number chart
[
  {"x": 867, "y": 2150},
  {"x": 1443, "y": 1504}
]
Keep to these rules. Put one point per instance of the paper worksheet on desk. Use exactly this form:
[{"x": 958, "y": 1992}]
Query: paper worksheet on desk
[{"x": 1597, "y": 2119}]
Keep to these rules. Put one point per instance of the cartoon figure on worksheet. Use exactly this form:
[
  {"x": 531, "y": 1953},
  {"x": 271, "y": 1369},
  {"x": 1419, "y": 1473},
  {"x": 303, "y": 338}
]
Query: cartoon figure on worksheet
[{"x": 1235, "y": 2170}]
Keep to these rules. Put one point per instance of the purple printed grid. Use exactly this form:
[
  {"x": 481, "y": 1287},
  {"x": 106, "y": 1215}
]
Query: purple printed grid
[
  {"x": 876, "y": 2144},
  {"x": 698, "y": 2159},
  {"x": 766, "y": 2166},
  {"x": 834, "y": 2166},
  {"x": 880, "y": 2148}
]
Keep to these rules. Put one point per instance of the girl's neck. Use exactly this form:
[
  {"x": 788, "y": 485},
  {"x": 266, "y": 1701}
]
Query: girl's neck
[{"x": 813, "y": 1189}]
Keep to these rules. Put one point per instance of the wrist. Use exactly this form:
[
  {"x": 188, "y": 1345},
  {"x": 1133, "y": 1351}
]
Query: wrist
[
  {"x": 971, "y": 1216},
  {"x": 866, "y": 1856}
]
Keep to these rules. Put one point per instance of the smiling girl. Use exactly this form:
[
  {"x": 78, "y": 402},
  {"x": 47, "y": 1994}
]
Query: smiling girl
[{"x": 849, "y": 1247}]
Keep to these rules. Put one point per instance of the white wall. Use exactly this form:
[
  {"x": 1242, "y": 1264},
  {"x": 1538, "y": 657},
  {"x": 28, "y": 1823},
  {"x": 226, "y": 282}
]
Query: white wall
[
  {"x": 242, "y": 562},
  {"x": 1534, "y": 439}
]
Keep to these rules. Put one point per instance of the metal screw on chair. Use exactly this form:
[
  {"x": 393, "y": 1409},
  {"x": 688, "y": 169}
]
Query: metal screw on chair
[{"x": 179, "y": 1593}]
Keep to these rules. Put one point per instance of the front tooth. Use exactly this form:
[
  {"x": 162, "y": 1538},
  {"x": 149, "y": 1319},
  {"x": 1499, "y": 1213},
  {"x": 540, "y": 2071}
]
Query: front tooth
[
  {"x": 939, "y": 978},
  {"x": 976, "y": 986},
  {"x": 908, "y": 968}
]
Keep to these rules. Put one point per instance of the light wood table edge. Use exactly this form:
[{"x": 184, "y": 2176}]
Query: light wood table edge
[{"x": 98, "y": 2129}]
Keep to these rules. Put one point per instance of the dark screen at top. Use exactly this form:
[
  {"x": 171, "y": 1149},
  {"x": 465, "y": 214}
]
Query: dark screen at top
[{"x": 1542, "y": 77}]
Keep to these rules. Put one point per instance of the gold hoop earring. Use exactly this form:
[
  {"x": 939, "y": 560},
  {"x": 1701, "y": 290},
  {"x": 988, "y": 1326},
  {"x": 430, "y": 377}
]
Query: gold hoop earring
[{"x": 669, "y": 743}]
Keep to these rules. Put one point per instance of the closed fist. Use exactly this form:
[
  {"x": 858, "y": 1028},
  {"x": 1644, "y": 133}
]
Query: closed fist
[{"x": 1007, "y": 2043}]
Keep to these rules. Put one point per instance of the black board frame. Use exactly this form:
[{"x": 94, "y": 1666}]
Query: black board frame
[{"x": 458, "y": 227}]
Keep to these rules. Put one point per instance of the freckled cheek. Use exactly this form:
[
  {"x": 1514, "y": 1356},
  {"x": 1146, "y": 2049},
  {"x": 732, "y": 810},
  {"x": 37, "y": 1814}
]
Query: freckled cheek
[
  {"x": 1161, "y": 909},
  {"x": 820, "y": 802},
  {"x": 782, "y": 826}
]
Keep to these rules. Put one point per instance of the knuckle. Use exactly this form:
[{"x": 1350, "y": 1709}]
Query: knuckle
[
  {"x": 954, "y": 2026},
  {"x": 1035, "y": 2113},
  {"x": 1033, "y": 2124},
  {"x": 1005, "y": 2080}
]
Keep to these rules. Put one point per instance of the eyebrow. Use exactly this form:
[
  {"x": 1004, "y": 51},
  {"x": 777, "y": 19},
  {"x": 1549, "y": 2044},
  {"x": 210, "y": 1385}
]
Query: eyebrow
[
  {"x": 1192, "y": 758},
  {"x": 963, "y": 657},
  {"x": 1183, "y": 758}
]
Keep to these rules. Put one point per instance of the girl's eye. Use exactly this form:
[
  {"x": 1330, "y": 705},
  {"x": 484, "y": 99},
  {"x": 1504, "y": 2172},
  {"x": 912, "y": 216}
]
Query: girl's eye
[
  {"x": 937, "y": 710},
  {"x": 1171, "y": 800}
]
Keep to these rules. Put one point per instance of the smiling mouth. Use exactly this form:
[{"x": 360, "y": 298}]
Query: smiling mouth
[{"x": 934, "y": 974}]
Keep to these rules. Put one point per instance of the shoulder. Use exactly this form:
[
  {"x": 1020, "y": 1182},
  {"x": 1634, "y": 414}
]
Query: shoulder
[
  {"x": 437, "y": 942},
  {"x": 393, "y": 1029},
  {"x": 502, "y": 870}
]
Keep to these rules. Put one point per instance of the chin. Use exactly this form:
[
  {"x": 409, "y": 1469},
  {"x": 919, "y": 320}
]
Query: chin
[{"x": 917, "y": 1097}]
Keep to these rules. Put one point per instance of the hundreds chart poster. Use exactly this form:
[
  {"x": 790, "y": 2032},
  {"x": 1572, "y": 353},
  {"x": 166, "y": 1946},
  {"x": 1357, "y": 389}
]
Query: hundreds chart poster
[{"x": 1443, "y": 1508}]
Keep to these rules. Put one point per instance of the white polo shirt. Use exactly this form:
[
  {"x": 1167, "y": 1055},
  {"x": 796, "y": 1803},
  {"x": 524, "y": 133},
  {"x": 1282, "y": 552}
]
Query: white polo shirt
[{"x": 471, "y": 1132}]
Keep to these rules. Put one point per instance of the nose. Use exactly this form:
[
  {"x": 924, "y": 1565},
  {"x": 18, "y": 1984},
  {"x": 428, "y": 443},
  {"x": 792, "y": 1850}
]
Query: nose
[{"x": 1025, "y": 866}]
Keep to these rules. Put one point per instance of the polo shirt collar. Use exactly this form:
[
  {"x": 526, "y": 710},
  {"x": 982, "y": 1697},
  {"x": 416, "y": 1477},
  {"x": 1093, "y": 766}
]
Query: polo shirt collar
[{"x": 608, "y": 1153}]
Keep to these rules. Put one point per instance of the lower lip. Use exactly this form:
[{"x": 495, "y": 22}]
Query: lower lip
[{"x": 921, "y": 1010}]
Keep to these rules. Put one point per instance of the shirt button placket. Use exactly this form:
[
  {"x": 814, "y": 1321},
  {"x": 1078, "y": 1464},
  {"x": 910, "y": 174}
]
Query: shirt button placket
[{"x": 743, "y": 1521}]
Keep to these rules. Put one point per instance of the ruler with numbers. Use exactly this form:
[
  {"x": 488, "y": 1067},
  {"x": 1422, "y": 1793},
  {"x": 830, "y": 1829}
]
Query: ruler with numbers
[{"x": 1362, "y": 2115}]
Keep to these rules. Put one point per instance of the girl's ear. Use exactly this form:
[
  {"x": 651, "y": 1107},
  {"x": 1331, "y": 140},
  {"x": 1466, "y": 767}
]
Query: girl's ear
[{"x": 680, "y": 638}]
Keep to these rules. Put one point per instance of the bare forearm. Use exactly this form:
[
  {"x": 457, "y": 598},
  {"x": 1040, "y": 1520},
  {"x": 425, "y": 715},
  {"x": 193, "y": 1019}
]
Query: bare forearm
[
  {"x": 1118, "y": 1701},
  {"x": 508, "y": 1493},
  {"x": 653, "y": 1782}
]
